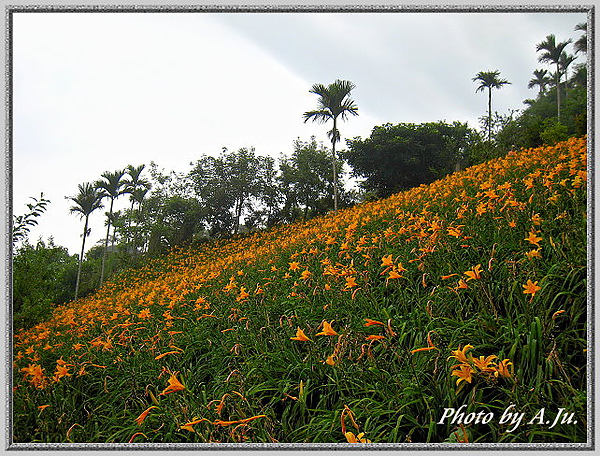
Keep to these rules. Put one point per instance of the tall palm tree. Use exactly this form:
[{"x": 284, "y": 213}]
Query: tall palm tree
[
  {"x": 136, "y": 186},
  {"x": 334, "y": 101},
  {"x": 114, "y": 220},
  {"x": 87, "y": 201},
  {"x": 111, "y": 187},
  {"x": 552, "y": 55},
  {"x": 489, "y": 80},
  {"x": 137, "y": 196},
  {"x": 540, "y": 79},
  {"x": 581, "y": 44},
  {"x": 564, "y": 61}
]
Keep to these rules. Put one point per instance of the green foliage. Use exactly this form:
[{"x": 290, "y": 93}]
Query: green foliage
[
  {"x": 43, "y": 277},
  {"x": 554, "y": 132},
  {"x": 229, "y": 185},
  {"x": 22, "y": 223},
  {"x": 398, "y": 157},
  {"x": 305, "y": 181}
]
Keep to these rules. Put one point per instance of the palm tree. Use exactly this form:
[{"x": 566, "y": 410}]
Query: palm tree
[
  {"x": 564, "y": 62},
  {"x": 135, "y": 185},
  {"x": 87, "y": 201},
  {"x": 111, "y": 187},
  {"x": 489, "y": 80},
  {"x": 137, "y": 196},
  {"x": 114, "y": 220},
  {"x": 541, "y": 80},
  {"x": 552, "y": 55},
  {"x": 581, "y": 44},
  {"x": 334, "y": 101}
]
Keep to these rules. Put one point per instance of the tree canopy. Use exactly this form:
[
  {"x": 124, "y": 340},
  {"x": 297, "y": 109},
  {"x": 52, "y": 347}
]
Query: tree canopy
[{"x": 398, "y": 157}]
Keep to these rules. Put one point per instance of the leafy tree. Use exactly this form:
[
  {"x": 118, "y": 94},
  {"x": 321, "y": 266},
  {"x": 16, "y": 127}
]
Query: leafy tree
[
  {"x": 489, "y": 80},
  {"x": 171, "y": 221},
  {"x": 43, "y": 276},
  {"x": 168, "y": 216},
  {"x": 334, "y": 101},
  {"x": 551, "y": 54},
  {"x": 22, "y": 223},
  {"x": 86, "y": 201},
  {"x": 110, "y": 186},
  {"x": 305, "y": 181},
  {"x": 228, "y": 186},
  {"x": 266, "y": 213},
  {"x": 398, "y": 157}
]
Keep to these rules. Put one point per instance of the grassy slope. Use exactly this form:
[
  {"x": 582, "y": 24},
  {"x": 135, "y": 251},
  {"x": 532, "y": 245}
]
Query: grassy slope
[{"x": 222, "y": 317}]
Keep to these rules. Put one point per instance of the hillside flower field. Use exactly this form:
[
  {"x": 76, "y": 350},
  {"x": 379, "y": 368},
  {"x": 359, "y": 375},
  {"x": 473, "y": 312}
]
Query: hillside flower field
[{"x": 434, "y": 316}]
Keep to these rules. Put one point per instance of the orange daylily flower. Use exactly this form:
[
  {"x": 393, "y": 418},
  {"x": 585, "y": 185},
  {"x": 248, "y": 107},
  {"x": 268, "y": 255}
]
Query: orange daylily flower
[
  {"x": 167, "y": 353},
  {"x": 475, "y": 273},
  {"x": 174, "y": 385},
  {"x": 145, "y": 313},
  {"x": 351, "y": 282},
  {"x": 444, "y": 277},
  {"x": 370, "y": 322},
  {"x": 61, "y": 371},
  {"x": 140, "y": 419},
  {"x": 360, "y": 438},
  {"x": 503, "y": 368},
  {"x": 455, "y": 230},
  {"x": 533, "y": 254},
  {"x": 461, "y": 285},
  {"x": 331, "y": 359},
  {"x": 300, "y": 336},
  {"x": 460, "y": 355},
  {"x": 531, "y": 288},
  {"x": 483, "y": 364},
  {"x": 243, "y": 295},
  {"x": 533, "y": 238},
  {"x": 327, "y": 330},
  {"x": 387, "y": 261},
  {"x": 374, "y": 337},
  {"x": 393, "y": 274},
  {"x": 430, "y": 345},
  {"x": 188, "y": 426},
  {"x": 463, "y": 373},
  {"x": 228, "y": 423}
]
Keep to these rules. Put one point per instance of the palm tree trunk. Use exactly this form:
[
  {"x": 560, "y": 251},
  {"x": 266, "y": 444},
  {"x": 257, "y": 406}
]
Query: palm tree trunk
[
  {"x": 557, "y": 92},
  {"x": 106, "y": 243},
  {"x": 81, "y": 259},
  {"x": 129, "y": 223},
  {"x": 335, "y": 184},
  {"x": 489, "y": 114}
]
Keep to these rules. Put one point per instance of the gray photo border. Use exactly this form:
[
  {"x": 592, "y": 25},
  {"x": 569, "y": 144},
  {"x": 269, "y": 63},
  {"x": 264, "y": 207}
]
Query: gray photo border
[{"x": 7, "y": 195}]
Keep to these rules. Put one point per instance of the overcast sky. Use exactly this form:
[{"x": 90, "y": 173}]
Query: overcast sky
[{"x": 95, "y": 92}]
